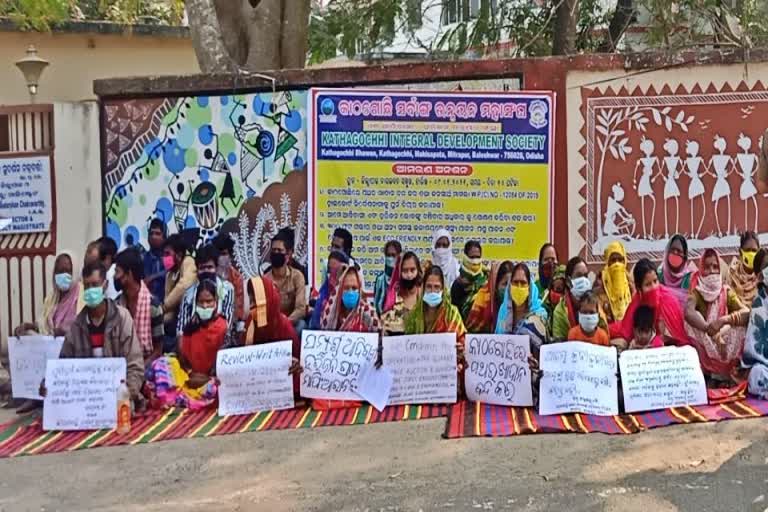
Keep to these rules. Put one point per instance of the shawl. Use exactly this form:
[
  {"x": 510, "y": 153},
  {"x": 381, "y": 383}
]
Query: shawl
[
  {"x": 755, "y": 355},
  {"x": 450, "y": 266},
  {"x": 385, "y": 288},
  {"x": 60, "y": 308},
  {"x": 325, "y": 290},
  {"x": 475, "y": 283},
  {"x": 200, "y": 344},
  {"x": 482, "y": 315},
  {"x": 361, "y": 319},
  {"x": 677, "y": 282},
  {"x": 448, "y": 319},
  {"x": 742, "y": 282},
  {"x": 667, "y": 309},
  {"x": 505, "y": 323},
  {"x": 618, "y": 293}
]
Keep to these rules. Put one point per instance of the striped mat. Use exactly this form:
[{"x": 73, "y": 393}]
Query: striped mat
[
  {"x": 26, "y": 437},
  {"x": 471, "y": 419}
]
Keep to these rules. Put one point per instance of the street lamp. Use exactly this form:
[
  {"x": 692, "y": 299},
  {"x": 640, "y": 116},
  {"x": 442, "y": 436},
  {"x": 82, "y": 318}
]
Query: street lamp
[{"x": 32, "y": 67}]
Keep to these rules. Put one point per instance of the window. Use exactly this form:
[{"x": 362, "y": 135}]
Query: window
[{"x": 456, "y": 11}]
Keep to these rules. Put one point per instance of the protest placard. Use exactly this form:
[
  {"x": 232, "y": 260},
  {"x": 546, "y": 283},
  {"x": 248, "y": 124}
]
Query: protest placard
[
  {"x": 578, "y": 377},
  {"x": 255, "y": 378},
  {"x": 423, "y": 368},
  {"x": 497, "y": 369},
  {"x": 333, "y": 362},
  {"x": 660, "y": 378},
  {"x": 82, "y": 393},
  {"x": 28, "y": 355}
]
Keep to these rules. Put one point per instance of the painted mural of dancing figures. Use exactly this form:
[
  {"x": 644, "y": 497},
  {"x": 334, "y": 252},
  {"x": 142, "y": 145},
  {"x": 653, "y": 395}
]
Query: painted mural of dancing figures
[
  {"x": 673, "y": 165},
  {"x": 618, "y": 221},
  {"x": 696, "y": 188},
  {"x": 747, "y": 162},
  {"x": 722, "y": 164},
  {"x": 647, "y": 178}
]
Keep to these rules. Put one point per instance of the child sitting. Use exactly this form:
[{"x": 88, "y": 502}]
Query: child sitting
[
  {"x": 643, "y": 331},
  {"x": 588, "y": 330}
]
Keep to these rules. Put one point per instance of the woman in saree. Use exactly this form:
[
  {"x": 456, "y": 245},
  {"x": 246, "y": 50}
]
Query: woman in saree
[
  {"x": 548, "y": 263},
  {"x": 677, "y": 271},
  {"x": 406, "y": 296},
  {"x": 187, "y": 379},
  {"x": 488, "y": 300},
  {"x": 742, "y": 277},
  {"x": 614, "y": 287},
  {"x": 335, "y": 261},
  {"x": 565, "y": 316},
  {"x": 755, "y": 357},
  {"x": 522, "y": 311},
  {"x": 716, "y": 321},
  {"x": 554, "y": 294},
  {"x": 472, "y": 278},
  {"x": 387, "y": 281}
]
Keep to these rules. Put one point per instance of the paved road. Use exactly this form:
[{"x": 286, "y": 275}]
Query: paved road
[{"x": 406, "y": 466}]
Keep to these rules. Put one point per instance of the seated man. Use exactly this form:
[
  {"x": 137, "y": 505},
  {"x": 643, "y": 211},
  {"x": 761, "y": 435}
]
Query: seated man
[
  {"x": 104, "y": 329},
  {"x": 145, "y": 309},
  {"x": 290, "y": 283},
  {"x": 104, "y": 250},
  {"x": 154, "y": 271},
  {"x": 181, "y": 274}
]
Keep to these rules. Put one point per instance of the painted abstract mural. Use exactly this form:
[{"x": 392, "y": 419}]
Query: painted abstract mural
[{"x": 207, "y": 164}]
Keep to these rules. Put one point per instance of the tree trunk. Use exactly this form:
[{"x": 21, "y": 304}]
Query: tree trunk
[
  {"x": 564, "y": 40},
  {"x": 624, "y": 15},
  {"x": 294, "y": 44},
  {"x": 212, "y": 54}
]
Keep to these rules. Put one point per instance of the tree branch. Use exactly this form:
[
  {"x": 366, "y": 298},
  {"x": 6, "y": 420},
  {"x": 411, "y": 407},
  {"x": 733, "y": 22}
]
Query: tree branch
[
  {"x": 212, "y": 54},
  {"x": 624, "y": 15}
]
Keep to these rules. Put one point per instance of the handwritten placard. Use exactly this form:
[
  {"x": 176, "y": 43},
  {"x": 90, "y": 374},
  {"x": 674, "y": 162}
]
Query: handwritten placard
[
  {"x": 82, "y": 393},
  {"x": 578, "y": 377},
  {"x": 333, "y": 362},
  {"x": 497, "y": 369},
  {"x": 28, "y": 355},
  {"x": 423, "y": 368},
  {"x": 660, "y": 378},
  {"x": 255, "y": 378},
  {"x": 25, "y": 194}
]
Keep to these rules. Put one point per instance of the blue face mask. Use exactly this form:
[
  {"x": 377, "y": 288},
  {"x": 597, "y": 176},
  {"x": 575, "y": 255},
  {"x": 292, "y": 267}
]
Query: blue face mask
[
  {"x": 93, "y": 297},
  {"x": 588, "y": 322},
  {"x": 204, "y": 313},
  {"x": 580, "y": 286},
  {"x": 433, "y": 299},
  {"x": 389, "y": 262},
  {"x": 63, "y": 281},
  {"x": 350, "y": 298}
]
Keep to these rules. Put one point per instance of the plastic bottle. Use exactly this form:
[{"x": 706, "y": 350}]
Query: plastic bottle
[{"x": 123, "y": 409}]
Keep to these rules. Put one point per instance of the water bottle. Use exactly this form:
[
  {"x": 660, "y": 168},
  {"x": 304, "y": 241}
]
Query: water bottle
[{"x": 123, "y": 409}]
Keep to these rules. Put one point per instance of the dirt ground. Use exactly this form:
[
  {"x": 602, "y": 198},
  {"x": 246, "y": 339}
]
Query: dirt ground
[{"x": 405, "y": 466}]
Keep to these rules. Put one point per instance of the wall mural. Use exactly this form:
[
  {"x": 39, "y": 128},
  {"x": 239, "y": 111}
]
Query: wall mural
[
  {"x": 205, "y": 165},
  {"x": 672, "y": 162}
]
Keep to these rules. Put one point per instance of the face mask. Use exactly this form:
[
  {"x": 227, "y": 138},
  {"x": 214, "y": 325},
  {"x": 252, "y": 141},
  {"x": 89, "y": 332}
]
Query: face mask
[
  {"x": 580, "y": 286},
  {"x": 519, "y": 295},
  {"x": 675, "y": 261},
  {"x": 350, "y": 298},
  {"x": 204, "y": 313},
  {"x": 442, "y": 255},
  {"x": 588, "y": 322},
  {"x": 433, "y": 299},
  {"x": 206, "y": 276},
  {"x": 93, "y": 297},
  {"x": 712, "y": 283},
  {"x": 555, "y": 297},
  {"x": 169, "y": 262},
  {"x": 277, "y": 259},
  {"x": 63, "y": 281},
  {"x": 472, "y": 266},
  {"x": 547, "y": 270},
  {"x": 748, "y": 259},
  {"x": 409, "y": 284},
  {"x": 389, "y": 262}
]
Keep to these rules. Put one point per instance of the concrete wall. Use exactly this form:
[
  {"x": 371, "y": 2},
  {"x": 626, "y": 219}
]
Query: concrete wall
[{"x": 76, "y": 59}]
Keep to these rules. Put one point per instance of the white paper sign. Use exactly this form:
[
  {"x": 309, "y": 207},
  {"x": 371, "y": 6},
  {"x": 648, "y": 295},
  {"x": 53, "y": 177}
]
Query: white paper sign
[
  {"x": 28, "y": 355},
  {"x": 255, "y": 378},
  {"x": 333, "y": 362},
  {"x": 578, "y": 377},
  {"x": 375, "y": 386},
  {"x": 82, "y": 393},
  {"x": 25, "y": 194},
  {"x": 424, "y": 368},
  {"x": 497, "y": 369},
  {"x": 660, "y": 378}
]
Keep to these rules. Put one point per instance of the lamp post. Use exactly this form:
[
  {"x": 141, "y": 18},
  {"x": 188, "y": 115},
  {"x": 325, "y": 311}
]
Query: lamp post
[{"x": 32, "y": 67}]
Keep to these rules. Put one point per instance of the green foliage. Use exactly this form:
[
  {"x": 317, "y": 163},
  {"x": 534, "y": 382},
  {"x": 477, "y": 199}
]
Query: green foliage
[{"x": 35, "y": 14}]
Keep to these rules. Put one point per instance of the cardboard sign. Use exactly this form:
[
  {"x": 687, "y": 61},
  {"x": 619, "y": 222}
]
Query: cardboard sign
[
  {"x": 28, "y": 355},
  {"x": 423, "y": 368},
  {"x": 497, "y": 369}
]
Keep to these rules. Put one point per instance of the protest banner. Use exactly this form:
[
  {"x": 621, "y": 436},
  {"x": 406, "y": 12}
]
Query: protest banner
[
  {"x": 333, "y": 362},
  {"x": 497, "y": 369},
  {"x": 578, "y": 377},
  {"x": 389, "y": 163},
  {"x": 255, "y": 378},
  {"x": 660, "y": 378},
  {"x": 28, "y": 355},
  {"x": 423, "y": 368},
  {"x": 82, "y": 393}
]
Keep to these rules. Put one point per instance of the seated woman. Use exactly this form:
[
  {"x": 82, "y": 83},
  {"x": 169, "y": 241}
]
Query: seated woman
[
  {"x": 187, "y": 379},
  {"x": 755, "y": 356},
  {"x": 742, "y": 277},
  {"x": 336, "y": 260},
  {"x": 614, "y": 287},
  {"x": 472, "y": 278},
  {"x": 716, "y": 321},
  {"x": 488, "y": 300},
  {"x": 565, "y": 315},
  {"x": 677, "y": 271},
  {"x": 408, "y": 293},
  {"x": 552, "y": 296},
  {"x": 522, "y": 311},
  {"x": 548, "y": 263}
]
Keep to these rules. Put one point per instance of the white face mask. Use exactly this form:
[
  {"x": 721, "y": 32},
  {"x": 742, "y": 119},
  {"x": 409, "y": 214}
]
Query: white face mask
[
  {"x": 580, "y": 286},
  {"x": 442, "y": 255}
]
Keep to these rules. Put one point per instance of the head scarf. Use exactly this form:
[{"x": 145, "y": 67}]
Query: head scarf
[
  {"x": 267, "y": 323},
  {"x": 672, "y": 278},
  {"x": 545, "y": 282},
  {"x": 616, "y": 282},
  {"x": 361, "y": 319},
  {"x": 744, "y": 283},
  {"x": 448, "y": 319},
  {"x": 448, "y": 264},
  {"x": 710, "y": 295},
  {"x": 667, "y": 308},
  {"x": 60, "y": 308},
  {"x": 386, "y": 287},
  {"x": 505, "y": 323},
  {"x": 329, "y": 282},
  {"x": 482, "y": 314}
]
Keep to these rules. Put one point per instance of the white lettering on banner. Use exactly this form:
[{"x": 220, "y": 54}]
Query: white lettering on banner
[
  {"x": 660, "y": 378},
  {"x": 255, "y": 378},
  {"x": 333, "y": 362},
  {"x": 28, "y": 356},
  {"x": 25, "y": 194},
  {"x": 423, "y": 367},
  {"x": 578, "y": 377},
  {"x": 82, "y": 393},
  {"x": 497, "y": 369}
]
